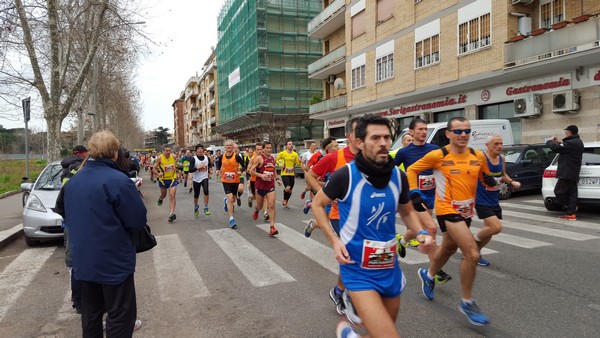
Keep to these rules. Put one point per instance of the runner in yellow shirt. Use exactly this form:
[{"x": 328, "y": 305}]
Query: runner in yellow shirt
[
  {"x": 166, "y": 172},
  {"x": 290, "y": 160}
]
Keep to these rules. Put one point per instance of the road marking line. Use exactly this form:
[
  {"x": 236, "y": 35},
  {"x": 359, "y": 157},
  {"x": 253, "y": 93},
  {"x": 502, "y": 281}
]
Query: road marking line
[
  {"x": 519, "y": 241},
  {"x": 258, "y": 268},
  {"x": 19, "y": 273},
  {"x": 535, "y": 202},
  {"x": 555, "y": 220},
  {"x": 176, "y": 274},
  {"x": 523, "y": 206}
]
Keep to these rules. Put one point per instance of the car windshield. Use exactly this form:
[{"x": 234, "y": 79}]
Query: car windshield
[
  {"x": 398, "y": 143},
  {"x": 591, "y": 156},
  {"x": 512, "y": 154},
  {"x": 49, "y": 178}
]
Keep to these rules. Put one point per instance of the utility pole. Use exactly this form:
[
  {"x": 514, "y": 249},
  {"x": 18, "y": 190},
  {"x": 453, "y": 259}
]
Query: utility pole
[{"x": 26, "y": 115}]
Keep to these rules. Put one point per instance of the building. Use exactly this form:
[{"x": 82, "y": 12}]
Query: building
[
  {"x": 179, "y": 118},
  {"x": 533, "y": 62},
  {"x": 262, "y": 85},
  {"x": 208, "y": 103}
]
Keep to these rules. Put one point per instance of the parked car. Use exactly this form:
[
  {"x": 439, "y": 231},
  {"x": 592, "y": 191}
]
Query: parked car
[
  {"x": 525, "y": 163},
  {"x": 40, "y": 222},
  {"x": 588, "y": 187}
]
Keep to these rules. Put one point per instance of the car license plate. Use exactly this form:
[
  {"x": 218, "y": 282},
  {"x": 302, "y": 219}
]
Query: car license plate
[{"x": 589, "y": 181}]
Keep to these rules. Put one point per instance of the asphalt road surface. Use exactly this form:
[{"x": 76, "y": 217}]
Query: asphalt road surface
[{"x": 206, "y": 280}]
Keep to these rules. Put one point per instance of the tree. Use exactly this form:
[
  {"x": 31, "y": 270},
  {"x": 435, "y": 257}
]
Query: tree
[{"x": 160, "y": 137}]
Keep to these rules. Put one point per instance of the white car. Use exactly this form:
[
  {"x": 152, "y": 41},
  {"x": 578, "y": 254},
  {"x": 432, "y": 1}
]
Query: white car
[
  {"x": 588, "y": 187},
  {"x": 40, "y": 222}
]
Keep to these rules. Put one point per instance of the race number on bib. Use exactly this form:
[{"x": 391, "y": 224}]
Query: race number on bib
[
  {"x": 378, "y": 255},
  {"x": 229, "y": 175},
  {"x": 169, "y": 168},
  {"x": 268, "y": 176},
  {"x": 289, "y": 170},
  {"x": 426, "y": 182},
  {"x": 464, "y": 208}
]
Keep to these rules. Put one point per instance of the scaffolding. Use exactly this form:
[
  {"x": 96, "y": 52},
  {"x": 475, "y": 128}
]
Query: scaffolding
[{"x": 263, "y": 53}]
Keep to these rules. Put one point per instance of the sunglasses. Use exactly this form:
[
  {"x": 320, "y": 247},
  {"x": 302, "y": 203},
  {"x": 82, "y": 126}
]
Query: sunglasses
[{"x": 460, "y": 131}]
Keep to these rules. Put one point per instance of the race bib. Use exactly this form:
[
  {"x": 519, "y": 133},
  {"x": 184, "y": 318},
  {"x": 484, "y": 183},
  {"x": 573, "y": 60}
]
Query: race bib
[
  {"x": 229, "y": 176},
  {"x": 378, "y": 255},
  {"x": 497, "y": 187},
  {"x": 464, "y": 208},
  {"x": 268, "y": 176},
  {"x": 169, "y": 168},
  {"x": 426, "y": 182},
  {"x": 289, "y": 170}
]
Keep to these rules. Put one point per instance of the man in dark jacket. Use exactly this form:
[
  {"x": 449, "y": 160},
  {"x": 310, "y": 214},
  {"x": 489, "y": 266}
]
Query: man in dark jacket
[
  {"x": 102, "y": 209},
  {"x": 72, "y": 163},
  {"x": 569, "y": 164}
]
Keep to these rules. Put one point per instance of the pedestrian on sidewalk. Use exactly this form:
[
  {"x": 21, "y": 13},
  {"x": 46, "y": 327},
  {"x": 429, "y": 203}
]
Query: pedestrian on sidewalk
[{"x": 569, "y": 165}]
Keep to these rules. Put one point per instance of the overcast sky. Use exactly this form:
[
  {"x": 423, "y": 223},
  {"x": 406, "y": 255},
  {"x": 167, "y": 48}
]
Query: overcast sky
[{"x": 189, "y": 28}]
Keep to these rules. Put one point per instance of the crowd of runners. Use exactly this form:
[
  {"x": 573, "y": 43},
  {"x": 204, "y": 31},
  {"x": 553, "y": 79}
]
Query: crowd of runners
[{"x": 354, "y": 193}]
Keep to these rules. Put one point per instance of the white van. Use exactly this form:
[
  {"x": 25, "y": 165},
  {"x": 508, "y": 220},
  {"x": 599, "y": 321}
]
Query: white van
[{"x": 480, "y": 131}]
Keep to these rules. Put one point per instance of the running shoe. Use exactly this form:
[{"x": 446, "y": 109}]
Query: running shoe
[
  {"x": 306, "y": 206},
  {"x": 225, "y": 204},
  {"x": 351, "y": 314},
  {"x": 196, "y": 212},
  {"x": 400, "y": 248},
  {"x": 160, "y": 200},
  {"x": 255, "y": 215},
  {"x": 206, "y": 211},
  {"x": 190, "y": 191},
  {"x": 483, "y": 262},
  {"x": 137, "y": 324},
  {"x": 568, "y": 217},
  {"x": 249, "y": 202},
  {"x": 185, "y": 184},
  {"x": 413, "y": 243},
  {"x": 473, "y": 313},
  {"x": 303, "y": 195},
  {"x": 239, "y": 201},
  {"x": 427, "y": 284},
  {"x": 344, "y": 330},
  {"x": 441, "y": 277},
  {"x": 273, "y": 232},
  {"x": 308, "y": 229},
  {"x": 338, "y": 301},
  {"x": 232, "y": 224},
  {"x": 266, "y": 216},
  {"x": 172, "y": 217}
]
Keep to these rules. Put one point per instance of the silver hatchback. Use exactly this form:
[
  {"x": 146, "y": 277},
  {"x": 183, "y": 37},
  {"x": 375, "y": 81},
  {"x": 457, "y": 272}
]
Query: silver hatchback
[{"x": 40, "y": 222}]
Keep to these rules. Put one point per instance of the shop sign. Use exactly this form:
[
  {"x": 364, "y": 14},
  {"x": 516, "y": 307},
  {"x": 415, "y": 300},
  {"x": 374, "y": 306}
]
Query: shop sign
[
  {"x": 595, "y": 74},
  {"x": 427, "y": 106},
  {"x": 536, "y": 87},
  {"x": 336, "y": 123}
]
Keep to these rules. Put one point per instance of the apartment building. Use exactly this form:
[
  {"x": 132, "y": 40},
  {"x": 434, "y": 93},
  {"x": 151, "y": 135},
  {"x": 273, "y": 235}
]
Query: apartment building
[
  {"x": 191, "y": 114},
  {"x": 179, "y": 134},
  {"x": 263, "y": 53},
  {"x": 533, "y": 62},
  {"x": 208, "y": 104}
]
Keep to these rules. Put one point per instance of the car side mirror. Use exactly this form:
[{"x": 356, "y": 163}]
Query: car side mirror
[
  {"x": 26, "y": 186},
  {"x": 526, "y": 162}
]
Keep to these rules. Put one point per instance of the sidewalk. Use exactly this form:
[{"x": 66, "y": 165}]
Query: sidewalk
[{"x": 11, "y": 209}]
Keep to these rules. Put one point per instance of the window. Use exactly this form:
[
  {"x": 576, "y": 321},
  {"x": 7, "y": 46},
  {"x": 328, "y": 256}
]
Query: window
[
  {"x": 385, "y": 10},
  {"x": 427, "y": 52},
  {"x": 358, "y": 77},
  {"x": 357, "y": 13},
  {"x": 551, "y": 12},
  {"x": 474, "y": 34},
  {"x": 385, "y": 67}
]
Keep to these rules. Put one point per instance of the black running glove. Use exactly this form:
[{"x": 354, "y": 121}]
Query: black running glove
[
  {"x": 489, "y": 180},
  {"x": 417, "y": 200}
]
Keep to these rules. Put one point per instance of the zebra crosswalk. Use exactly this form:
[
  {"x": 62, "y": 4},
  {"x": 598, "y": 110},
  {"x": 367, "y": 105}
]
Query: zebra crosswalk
[{"x": 176, "y": 277}]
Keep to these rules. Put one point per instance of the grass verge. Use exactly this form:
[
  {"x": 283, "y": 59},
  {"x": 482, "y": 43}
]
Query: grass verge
[{"x": 12, "y": 172}]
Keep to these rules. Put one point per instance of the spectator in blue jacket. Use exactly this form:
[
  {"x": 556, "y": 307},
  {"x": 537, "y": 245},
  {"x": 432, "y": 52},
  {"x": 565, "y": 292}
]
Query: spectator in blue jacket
[{"x": 102, "y": 209}]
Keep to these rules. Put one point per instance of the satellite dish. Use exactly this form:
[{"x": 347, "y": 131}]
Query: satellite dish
[{"x": 338, "y": 84}]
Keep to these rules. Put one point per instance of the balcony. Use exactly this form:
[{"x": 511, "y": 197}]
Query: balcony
[
  {"x": 328, "y": 21},
  {"x": 195, "y": 116},
  {"x": 331, "y": 64},
  {"x": 330, "y": 104},
  {"x": 213, "y": 120},
  {"x": 211, "y": 85},
  {"x": 569, "y": 40},
  {"x": 211, "y": 102}
]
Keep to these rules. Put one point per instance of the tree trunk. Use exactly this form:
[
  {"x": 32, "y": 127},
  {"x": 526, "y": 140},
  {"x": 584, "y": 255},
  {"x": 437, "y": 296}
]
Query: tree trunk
[
  {"x": 80, "y": 126},
  {"x": 53, "y": 134}
]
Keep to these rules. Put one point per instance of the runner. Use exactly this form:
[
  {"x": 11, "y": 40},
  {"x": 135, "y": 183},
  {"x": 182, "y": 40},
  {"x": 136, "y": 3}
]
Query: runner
[
  {"x": 252, "y": 178},
  {"x": 457, "y": 168},
  {"x": 152, "y": 163},
  {"x": 164, "y": 169},
  {"x": 229, "y": 170},
  {"x": 185, "y": 162},
  {"x": 200, "y": 178},
  {"x": 406, "y": 156},
  {"x": 290, "y": 159},
  {"x": 217, "y": 161},
  {"x": 243, "y": 166},
  {"x": 370, "y": 190},
  {"x": 305, "y": 158},
  {"x": 263, "y": 167},
  {"x": 487, "y": 201},
  {"x": 326, "y": 166}
]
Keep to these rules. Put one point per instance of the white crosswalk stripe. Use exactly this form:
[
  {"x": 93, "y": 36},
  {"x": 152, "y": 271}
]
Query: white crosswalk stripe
[
  {"x": 504, "y": 205},
  {"x": 177, "y": 276},
  {"x": 519, "y": 241},
  {"x": 551, "y": 219},
  {"x": 258, "y": 268},
  {"x": 19, "y": 273},
  {"x": 567, "y": 235}
]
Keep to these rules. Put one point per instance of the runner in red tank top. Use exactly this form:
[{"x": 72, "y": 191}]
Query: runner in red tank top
[{"x": 263, "y": 167}]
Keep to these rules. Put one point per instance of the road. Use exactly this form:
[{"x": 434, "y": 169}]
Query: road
[{"x": 206, "y": 280}]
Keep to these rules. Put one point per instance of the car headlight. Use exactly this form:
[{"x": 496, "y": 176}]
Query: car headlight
[{"x": 34, "y": 203}]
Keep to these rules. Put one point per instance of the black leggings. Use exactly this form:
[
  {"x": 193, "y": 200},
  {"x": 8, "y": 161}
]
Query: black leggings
[
  {"x": 203, "y": 184},
  {"x": 287, "y": 180}
]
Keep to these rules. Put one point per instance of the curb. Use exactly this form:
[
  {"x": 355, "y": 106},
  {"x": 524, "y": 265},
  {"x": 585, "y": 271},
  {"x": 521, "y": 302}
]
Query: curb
[
  {"x": 7, "y": 236},
  {"x": 9, "y": 193}
]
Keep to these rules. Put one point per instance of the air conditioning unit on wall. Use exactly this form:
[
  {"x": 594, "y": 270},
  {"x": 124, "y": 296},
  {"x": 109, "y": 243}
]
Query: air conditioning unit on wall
[
  {"x": 567, "y": 101},
  {"x": 528, "y": 106}
]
